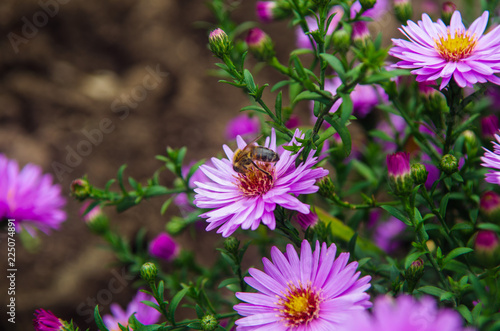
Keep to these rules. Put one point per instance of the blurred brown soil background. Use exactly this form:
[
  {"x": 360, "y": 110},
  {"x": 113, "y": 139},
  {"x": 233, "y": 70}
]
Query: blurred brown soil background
[{"x": 77, "y": 68}]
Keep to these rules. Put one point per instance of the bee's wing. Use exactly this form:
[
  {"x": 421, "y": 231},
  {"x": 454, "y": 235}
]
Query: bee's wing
[{"x": 252, "y": 142}]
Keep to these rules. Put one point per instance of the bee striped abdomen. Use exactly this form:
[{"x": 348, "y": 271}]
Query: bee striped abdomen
[{"x": 265, "y": 154}]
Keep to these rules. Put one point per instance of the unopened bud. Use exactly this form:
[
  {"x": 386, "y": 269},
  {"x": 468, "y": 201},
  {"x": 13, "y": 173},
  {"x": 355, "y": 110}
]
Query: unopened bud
[
  {"x": 471, "y": 143},
  {"x": 149, "y": 271},
  {"x": 413, "y": 274},
  {"x": 419, "y": 173},
  {"x": 80, "y": 189},
  {"x": 231, "y": 244},
  {"x": 360, "y": 34},
  {"x": 399, "y": 171},
  {"x": 487, "y": 248},
  {"x": 447, "y": 11},
  {"x": 306, "y": 220},
  {"x": 449, "y": 164},
  {"x": 489, "y": 205},
  {"x": 326, "y": 187},
  {"x": 341, "y": 40},
  {"x": 209, "y": 323},
  {"x": 260, "y": 44},
  {"x": 95, "y": 219},
  {"x": 403, "y": 10},
  {"x": 219, "y": 43}
]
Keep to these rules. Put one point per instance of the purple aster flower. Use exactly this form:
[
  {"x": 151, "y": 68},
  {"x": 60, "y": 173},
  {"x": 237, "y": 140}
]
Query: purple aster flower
[
  {"x": 164, "y": 247},
  {"x": 248, "y": 199},
  {"x": 387, "y": 233},
  {"x": 30, "y": 198},
  {"x": 492, "y": 160},
  {"x": 242, "y": 125},
  {"x": 405, "y": 313},
  {"x": 439, "y": 51},
  {"x": 376, "y": 12},
  {"x": 315, "y": 291},
  {"x": 306, "y": 220},
  {"x": 144, "y": 314},
  {"x": 45, "y": 320},
  {"x": 303, "y": 40},
  {"x": 398, "y": 164},
  {"x": 489, "y": 205},
  {"x": 265, "y": 11}
]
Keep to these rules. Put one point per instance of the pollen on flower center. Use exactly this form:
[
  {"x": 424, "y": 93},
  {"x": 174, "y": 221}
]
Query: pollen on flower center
[
  {"x": 300, "y": 305},
  {"x": 456, "y": 47},
  {"x": 256, "y": 182}
]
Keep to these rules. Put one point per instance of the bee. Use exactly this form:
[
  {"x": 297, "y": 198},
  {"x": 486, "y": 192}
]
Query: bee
[{"x": 244, "y": 158}]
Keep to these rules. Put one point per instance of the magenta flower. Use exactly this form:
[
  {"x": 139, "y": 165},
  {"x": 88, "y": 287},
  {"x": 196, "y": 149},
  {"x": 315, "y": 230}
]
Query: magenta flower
[
  {"x": 492, "y": 160},
  {"x": 242, "y": 125},
  {"x": 164, "y": 247},
  {"x": 247, "y": 199},
  {"x": 489, "y": 205},
  {"x": 489, "y": 126},
  {"x": 45, "y": 320},
  {"x": 439, "y": 51},
  {"x": 144, "y": 314},
  {"x": 398, "y": 164},
  {"x": 306, "y": 220},
  {"x": 30, "y": 198},
  {"x": 405, "y": 313},
  {"x": 265, "y": 11},
  {"x": 315, "y": 291},
  {"x": 486, "y": 241}
]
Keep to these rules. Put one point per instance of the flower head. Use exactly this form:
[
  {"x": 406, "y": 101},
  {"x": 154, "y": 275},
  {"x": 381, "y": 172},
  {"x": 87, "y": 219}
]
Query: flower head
[
  {"x": 492, "y": 160},
  {"x": 247, "y": 199},
  {"x": 219, "y": 43},
  {"x": 265, "y": 11},
  {"x": 306, "y": 220},
  {"x": 260, "y": 44},
  {"x": 315, "y": 291},
  {"x": 242, "y": 125},
  {"x": 144, "y": 314},
  {"x": 164, "y": 247},
  {"x": 399, "y": 170},
  {"x": 439, "y": 51},
  {"x": 405, "y": 313},
  {"x": 45, "y": 320},
  {"x": 489, "y": 205},
  {"x": 29, "y": 197}
]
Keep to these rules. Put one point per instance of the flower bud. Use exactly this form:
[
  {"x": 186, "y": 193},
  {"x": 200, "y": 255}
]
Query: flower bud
[
  {"x": 95, "y": 219},
  {"x": 398, "y": 168},
  {"x": 209, "y": 323},
  {"x": 471, "y": 143},
  {"x": 164, "y": 247},
  {"x": 419, "y": 173},
  {"x": 487, "y": 248},
  {"x": 341, "y": 40},
  {"x": 231, "y": 244},
  {"x": 80, "y": 189},
  {"x": 449, "y": 164},
  {"x": 326, "y": 187},
  {"x": 489, "y": 205},
  {"x": 260, "y": 44},
  {"x": 360, "y": 34},
  {"x": 403, "y": 10},
  {"x": 447, "y": 11},
  {"x": 149, "y": 271},
  {"x": 367, "y": 4},
  {"x": 45, "y": 320},
  {"x": 219, "y": 43},
  {"x": 489, "y": 127},
  {"x": 413, "y": 274},
  {"x": 306, "y": 220}
]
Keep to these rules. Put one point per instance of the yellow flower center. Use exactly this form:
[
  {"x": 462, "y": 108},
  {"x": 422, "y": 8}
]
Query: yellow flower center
[
  {"x": 256, "y": 182},
  {"x": 300, "y": 305},
  {"x": 455, "y": 47}
]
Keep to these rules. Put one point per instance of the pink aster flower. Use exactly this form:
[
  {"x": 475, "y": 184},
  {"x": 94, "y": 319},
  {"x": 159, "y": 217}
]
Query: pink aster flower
[
  {"x": 405, "y": 313},
  {"x": 144, "y": 314},
  {"x": 315, "y": 291},
  {"x": 492, "y": 160},
  {"x": 45, "y": 320},
  {"x": 242, "y": 125},
  {"x": 30, "y": 198},
  {"x": 439, "y": 51},
  {"x": 265, "y": 11},
  {"x": 164, "y": 247},
  {"x": 248, "y": 199}
]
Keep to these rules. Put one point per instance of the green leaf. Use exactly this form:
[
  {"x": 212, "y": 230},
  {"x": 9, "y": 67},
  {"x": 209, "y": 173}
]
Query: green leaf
[
  {"x": 308, "y": 95},
  {"x": 489, "y": 226},
  {"x": 175, "y": 302},
  {"x": 412, "y": 258},
  {"x": 432, "y": 290},
  {"x": 335, "y": 63},
  {"x": 346, "y": 108},
  {"x": 277, "y": 107},
  {"x": 229, "y": 281},
  {"x": 444, "y": 204},
  {"x": 385, "y": 76},
  {"x": 98, "y": 319},
  {"x": 456, "y": 252},
  {"x": 365, "y": 171},
  {"x": 249, "y": 80},
  {"x": 397, "y": 213},
  {"x": 254, "y": 108},
  {"x": 465, "y": 312},
  {"x": 165, "y": 205},
  {"x": 120, "y": 179},
  {"x": 281, "y": 84},
  {"x": 344, "y": 134},
  {"x": 462, "y": 227}
]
